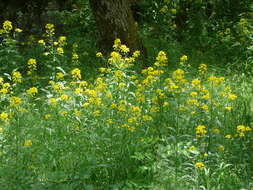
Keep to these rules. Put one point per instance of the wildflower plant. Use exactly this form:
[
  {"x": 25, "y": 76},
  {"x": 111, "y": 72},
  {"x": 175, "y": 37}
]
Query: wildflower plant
[
  {"x": 53, "y": 49},
  {"x": 123, "y": 125},
  {"x": 10, "y": 57}
]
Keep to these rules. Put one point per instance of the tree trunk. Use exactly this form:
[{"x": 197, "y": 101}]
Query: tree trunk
[{"x": 114, "y": 19}]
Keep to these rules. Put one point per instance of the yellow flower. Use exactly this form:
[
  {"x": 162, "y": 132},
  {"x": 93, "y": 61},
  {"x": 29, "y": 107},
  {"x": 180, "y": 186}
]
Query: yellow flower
[
  {"x": 42, "y": 42},
  {"x": 212, "y": 79},
  {"x": 164, "y": 9},
  {"x": 117, "y": 43},
  {"x": 59, "y": 75},
  {"x": 228, "y": 136},
  {"x": 221, "y": 148},
  {"x": 201, "y": 131},
  {"x": 23, "y": 110},
  {"x": 47, "y": 116},
  {"x": 1, "y": 80},
  {"x": 165, "y": 104},
  {"x": 109, "y": 95},
  {"x": 147, "y": 118},
  {"x": 32, "y": 91},
  {"x": 241, "y": 129},
  {"x": 4, "y": 116},
  {"x": 124, "y": 49},
  {"x": 161, "y": 59},
  {"x": 50, "y": 29},
  {"x": 6, "y": 85},
  {"x": 132, "y": 119},
  {"x": 193, "y": 94},
  {"x": 60, "y": 50},
  {"x": 77, "y": 112},
  {"x": 2, "y": 31},
  {"x": 76, "y": 74},
  {"x": 99, "y": 54},
  {"x": 243, "y": 21},
  {"x": 229, "y": 108},
  {"x": 173, "y": 11},
  {"x": 232, "y": 96},
  {"x": 64, "y": 97},
  {"x": 62, "y": 40},
  {"x": 102, "y": 69},
  {"x": 195, "y": 83},
  {"x": 53, "y": 101},
  {"x": 184, "y": 58},
  {"x": 192, "y": 148},
  {"x": 75, "y": 56},
  {"x": 205, "y": 108},
  {"x": 122, "y": 85},
  {"x": 16, "y": 77},
  {"x": 49, "y": 26},
  {"x": 7, "y": 25},
  {"x": 202, "y": 69},
  {"x": 32, "y": 64},
  {"x": 136, "y": 54},
  {"x": 206, "y": 96},
  {"x": 15, "y": 101},
  {"x": 18, "y": 30},
  {"x": 178, "y": 74},
  {"x": 96, "y": 113},
  {"x": 64, "y": 113},
  {"x": 216, "y": 131},
  {"x": 109, "y": 121},
  {"x": 199, "y": 165},
  {"x": 115, "y": 57},
  {"x": 28, "y": 143},
  {"x": 119, "y": 74},
  {"x": 78, "y": 91},
  {"x": 83, "y": 83}
]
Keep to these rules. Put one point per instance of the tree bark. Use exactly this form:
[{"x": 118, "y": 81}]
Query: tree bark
[{"x": 114, "y": 19}]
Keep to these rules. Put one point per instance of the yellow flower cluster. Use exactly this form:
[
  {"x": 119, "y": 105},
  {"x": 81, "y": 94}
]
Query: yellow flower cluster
[
  {"x": 4, "y": 87},
  {"x": 203, "y": 69},
  {"x": 99, "y": 54},
  {"x": 201, "y": 131},
  {"x": 16, "y": 77},
  {"x": 28, "y": 143},
  {"x": 15, "y": 101},
  {"x": 119, "y": 57},
  {"x": 161, "y": 59},
  {"x": 183, "y": 60},
  {"x": 42, "y": 42},
  {"x": 4, "y": 116},
  {"x": 241, "y": 130},
  {"x": 76, "y": 74},
  {"x": 7, "y": 26},
  {"x": 62, "y": 41},
  {"x": 32, "y": 65},
  {"x": 50, "y": 29},
  {"x": 60, "y": 50},
  {"x": 32, "y": 91},
  {"x": 59, "y": 76},
  {"x": 199, "y": 165}
]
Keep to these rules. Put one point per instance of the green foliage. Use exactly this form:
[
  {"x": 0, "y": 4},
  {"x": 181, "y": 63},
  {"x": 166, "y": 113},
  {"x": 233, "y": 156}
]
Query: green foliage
[
  {"x": 10, "y": 56},
  {"x": 223, "y": 27},
  {"x": 124, "y": 129},
  {"x": 177, "y": 124}
]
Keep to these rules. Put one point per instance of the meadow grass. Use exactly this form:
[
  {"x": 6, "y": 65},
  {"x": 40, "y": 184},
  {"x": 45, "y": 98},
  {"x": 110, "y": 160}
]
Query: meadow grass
[{"x": 186, "y": 128}]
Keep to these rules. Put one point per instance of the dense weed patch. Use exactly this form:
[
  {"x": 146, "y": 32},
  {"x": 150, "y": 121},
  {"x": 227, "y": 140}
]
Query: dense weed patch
[{"x": 155, "y": 129}]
